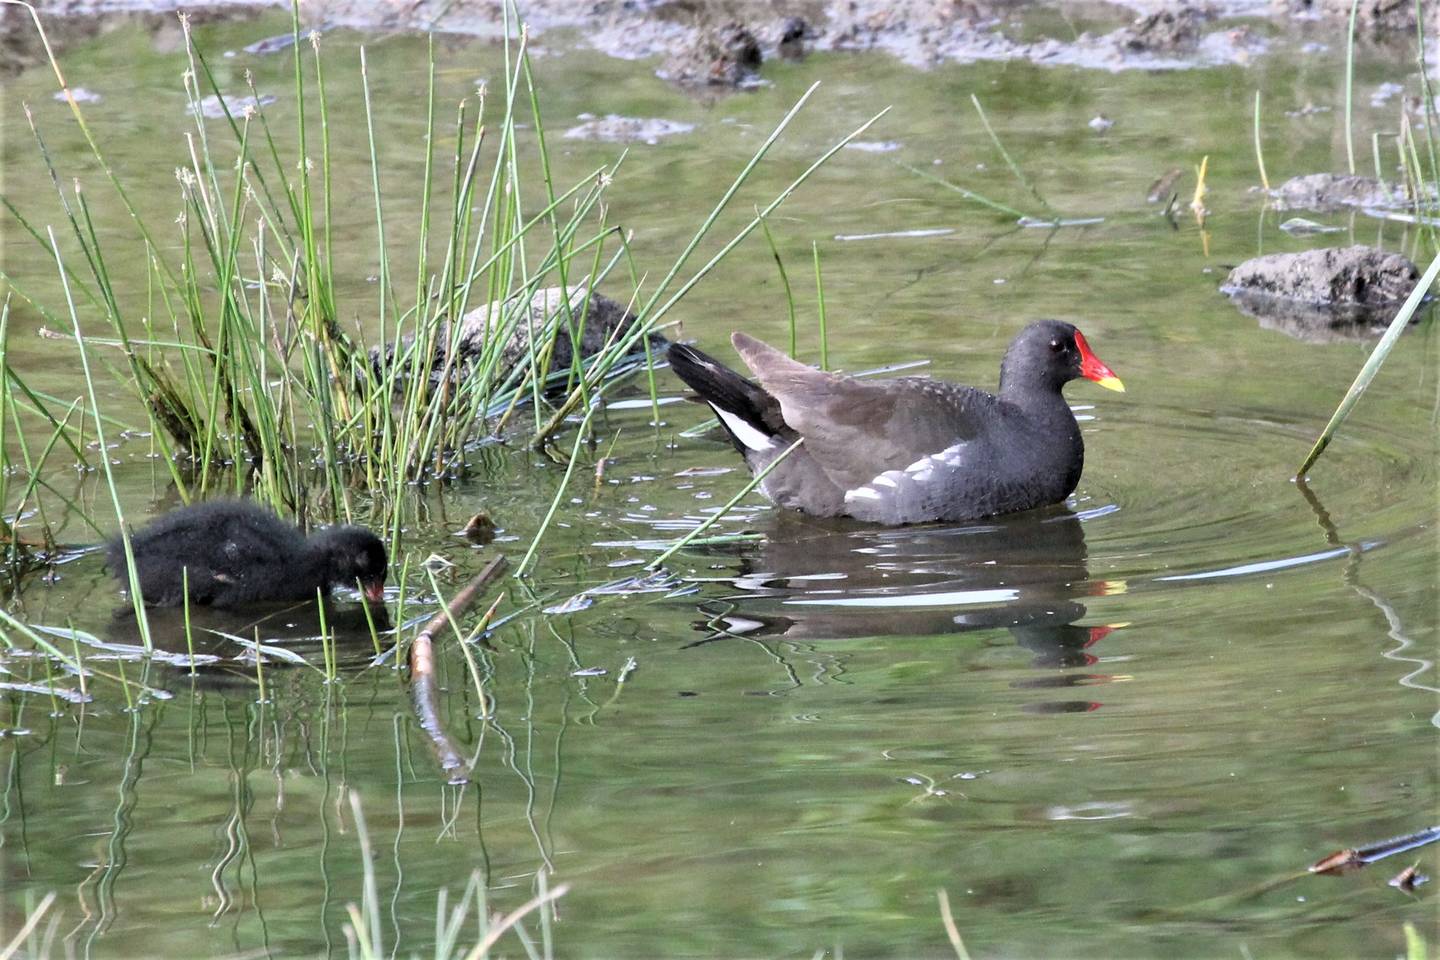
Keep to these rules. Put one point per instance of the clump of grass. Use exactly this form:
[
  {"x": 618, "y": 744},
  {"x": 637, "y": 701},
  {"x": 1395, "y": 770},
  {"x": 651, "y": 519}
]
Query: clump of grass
[
  {"x": 253, "y": 299},
  {"x": 239, "y": 356}
]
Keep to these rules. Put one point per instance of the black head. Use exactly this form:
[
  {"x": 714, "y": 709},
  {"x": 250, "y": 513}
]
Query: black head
[
  {"x": 1049, "y": 354},
  {"x": 354, "y": 553}
]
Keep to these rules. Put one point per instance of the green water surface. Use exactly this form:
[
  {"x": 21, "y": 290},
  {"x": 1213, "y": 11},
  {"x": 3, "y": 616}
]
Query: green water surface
[{"x": 1110, "y": 730}]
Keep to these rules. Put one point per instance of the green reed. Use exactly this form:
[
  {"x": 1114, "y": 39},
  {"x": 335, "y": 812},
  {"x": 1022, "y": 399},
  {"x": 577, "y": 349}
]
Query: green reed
[
  {"x": 1372, "y": 364},
  {"x": 23, "y": 470},
  {"x": 1349, "y": 88},
  {"x": 785, "y": 285},
  {"x": 729, "y": 505}
]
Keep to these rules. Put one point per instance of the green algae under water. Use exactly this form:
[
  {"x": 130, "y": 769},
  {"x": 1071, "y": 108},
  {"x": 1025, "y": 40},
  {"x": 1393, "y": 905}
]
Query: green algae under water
[{"x": 1100, "y": 730}]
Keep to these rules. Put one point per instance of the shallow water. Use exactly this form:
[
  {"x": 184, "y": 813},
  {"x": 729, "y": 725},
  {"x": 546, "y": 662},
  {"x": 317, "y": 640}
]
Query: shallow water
[{"x": 1105, "y": 730}]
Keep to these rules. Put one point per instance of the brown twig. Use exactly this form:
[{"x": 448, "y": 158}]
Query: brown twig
[{"x": 423, "y": 691}]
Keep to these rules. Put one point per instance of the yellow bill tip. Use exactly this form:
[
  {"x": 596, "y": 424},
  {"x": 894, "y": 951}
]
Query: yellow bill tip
[{"x": 1112, "y": 383}]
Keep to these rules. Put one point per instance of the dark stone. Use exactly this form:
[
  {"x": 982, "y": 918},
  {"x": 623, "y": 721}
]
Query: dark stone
[
  {"x": 1330, "y": 191},
  {"x": 1166, "y": 31},
  {"x": 723, "y": 56},
  {"x": 1334, "y": 293},
  {"x": 604, "y": 321}
]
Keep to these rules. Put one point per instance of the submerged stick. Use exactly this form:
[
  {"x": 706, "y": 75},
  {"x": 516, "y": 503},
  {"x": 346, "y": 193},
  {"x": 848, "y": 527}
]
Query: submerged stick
[
  {"x": 951, "y": 931},
  {"x": 1372, "y": 365},
  {"x": 1354, "y": 857},
  {"x": 423, "y": 691}
]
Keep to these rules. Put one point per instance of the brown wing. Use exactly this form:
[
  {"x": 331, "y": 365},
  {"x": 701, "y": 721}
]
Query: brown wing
[{"x": 857, "y": 429}]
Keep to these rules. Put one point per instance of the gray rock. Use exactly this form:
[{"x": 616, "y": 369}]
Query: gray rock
[
  {"x": 1331, "y": 191},
  {"x": 727, "y": 55},
  {"x": 605, "y": 321},
  {"x": 1334, "y": 293},
  {"x": 1357, "y": 275},
  {"x": 1167, "y": 30}
]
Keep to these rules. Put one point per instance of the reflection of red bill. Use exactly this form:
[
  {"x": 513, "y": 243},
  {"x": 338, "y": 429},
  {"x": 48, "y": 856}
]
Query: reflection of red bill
[{"x": 1101, "y": 632}]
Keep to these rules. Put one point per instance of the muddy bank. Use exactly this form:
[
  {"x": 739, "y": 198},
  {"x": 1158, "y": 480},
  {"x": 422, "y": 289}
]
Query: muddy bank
[
  {"x": 77, "y": 22},
  {"x": 721, "y": 43},
  {"x": 1373, "y": 18}
]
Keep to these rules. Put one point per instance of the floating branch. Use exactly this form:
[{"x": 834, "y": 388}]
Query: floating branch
[
  {"x": 1354, "y": 857},
  {"x": 422, "y": 670}
]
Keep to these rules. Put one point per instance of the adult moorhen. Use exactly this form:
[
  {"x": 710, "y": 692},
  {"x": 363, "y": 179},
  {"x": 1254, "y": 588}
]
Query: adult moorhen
[
  {"x": 911, "y": 449},
  {"x": 238, "y": 552}
]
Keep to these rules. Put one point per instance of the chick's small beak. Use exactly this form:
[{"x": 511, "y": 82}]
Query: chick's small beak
[
  {"x": 374, "y": 590},
  {"x": 1092, "y": 369}
]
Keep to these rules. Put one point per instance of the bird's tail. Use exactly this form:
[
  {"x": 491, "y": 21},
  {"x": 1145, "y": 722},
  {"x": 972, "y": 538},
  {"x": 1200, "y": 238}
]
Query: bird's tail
[{"x": 750, "y": 415}]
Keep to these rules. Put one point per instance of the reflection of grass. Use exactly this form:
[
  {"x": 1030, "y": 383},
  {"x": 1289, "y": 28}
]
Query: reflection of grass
[
  {"x": 1415, "y": 948},
  {"x": 366, "y": 941},
  {"x": 462, "y": 930}
]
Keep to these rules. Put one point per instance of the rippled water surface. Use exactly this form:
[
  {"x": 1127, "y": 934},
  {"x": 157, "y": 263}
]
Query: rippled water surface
[{"x": 1117, "y": 728}]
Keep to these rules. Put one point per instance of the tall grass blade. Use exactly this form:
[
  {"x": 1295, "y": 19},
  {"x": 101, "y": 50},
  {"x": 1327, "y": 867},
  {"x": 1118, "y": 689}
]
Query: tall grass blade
[
  {"x": 134, "y": 578},
  {"x": 1005, "y": 154},
  {"x": 715, "y": 517},
  {"x": 1259, "y": 153},
  {"x": 1372, "y": 364},
  {"x": 1349, "y": 88}
]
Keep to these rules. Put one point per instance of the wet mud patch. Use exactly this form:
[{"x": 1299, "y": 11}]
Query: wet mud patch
[
  {"x": 613, "y": 128},
  {"x": 21, "y": 47},
  {"x": 924, "y": 33}
]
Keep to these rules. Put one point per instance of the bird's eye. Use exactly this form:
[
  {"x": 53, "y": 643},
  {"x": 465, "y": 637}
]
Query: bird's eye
[{"x": 1056, "y": 346}]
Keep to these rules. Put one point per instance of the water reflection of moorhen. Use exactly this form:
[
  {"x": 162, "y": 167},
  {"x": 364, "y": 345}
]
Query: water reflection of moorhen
[
  {"x": 818, "y": 579},
  {"x": 237, "y": 552},
  {"x": 911, "y": 449}
]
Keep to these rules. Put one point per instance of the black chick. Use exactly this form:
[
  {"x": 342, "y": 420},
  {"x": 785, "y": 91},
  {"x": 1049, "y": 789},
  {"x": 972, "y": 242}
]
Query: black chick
[{"x": 237, "y": 552}]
